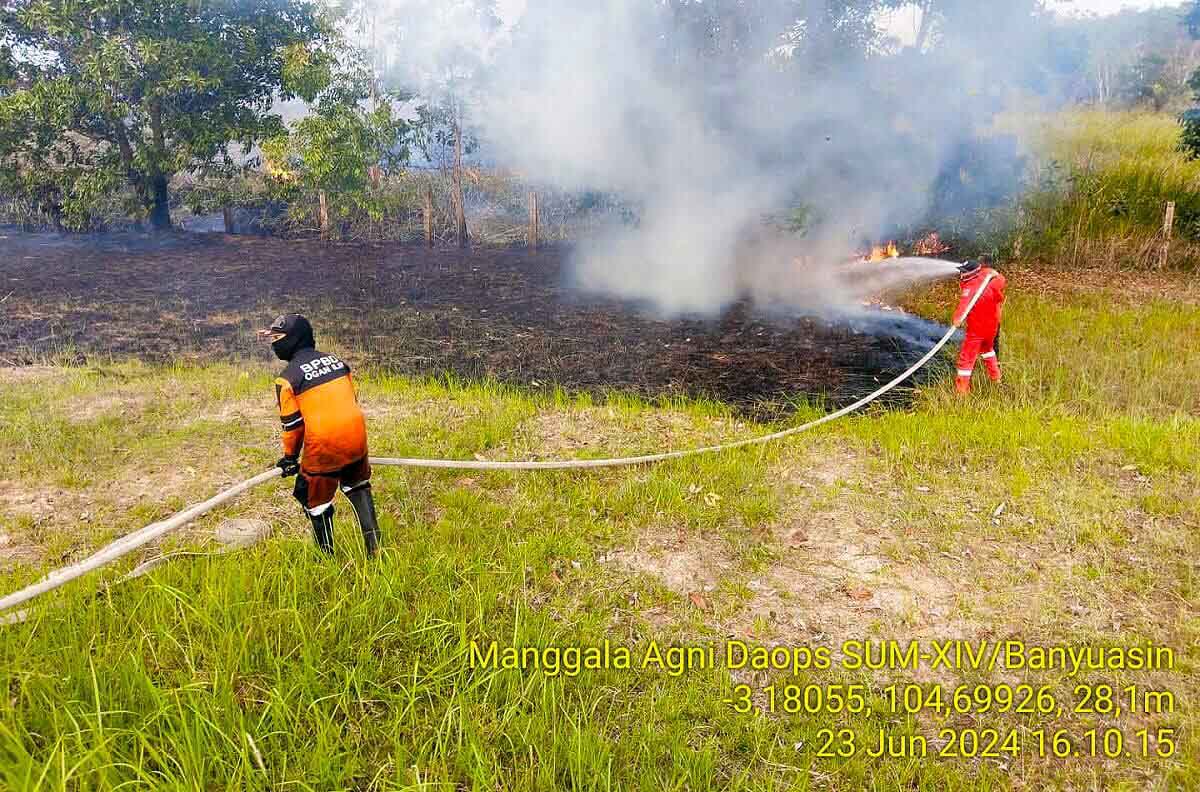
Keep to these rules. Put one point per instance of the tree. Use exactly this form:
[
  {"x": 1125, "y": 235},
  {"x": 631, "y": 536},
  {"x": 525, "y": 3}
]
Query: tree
[
  {"x": 1191, "y": 19},
  {"x": 446, "y": 44},
  {"x": 1189, "y": 139},
  {"x": 433, "y": 135},
  {"x": 1146, "y": 81},
  {"x": 331, "y": 151},
  {"x": 132, "y": 92}
]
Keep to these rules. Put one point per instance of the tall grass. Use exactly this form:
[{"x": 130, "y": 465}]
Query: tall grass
[{"x": 1102, "y": 182}]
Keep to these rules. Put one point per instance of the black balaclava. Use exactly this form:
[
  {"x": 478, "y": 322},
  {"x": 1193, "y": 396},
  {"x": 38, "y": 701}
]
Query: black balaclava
[{"x": 297, "y": 335}]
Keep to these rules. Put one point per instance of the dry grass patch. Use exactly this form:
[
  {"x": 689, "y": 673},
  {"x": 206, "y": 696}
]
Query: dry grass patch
[
  {"x": 566, "y": 433},
  {"x": 688, "y": 567},
  {"x": 829, "y": 577},
  {"x": 22, "y": 374},
  {"x": 37, "y": 502},
  {"x": 124, "y": 403},
  {"x": 1122, "y": 287}
]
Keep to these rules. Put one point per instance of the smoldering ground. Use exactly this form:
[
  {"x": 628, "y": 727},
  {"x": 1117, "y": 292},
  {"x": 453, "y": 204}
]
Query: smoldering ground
[
  {"x": 488, "y": 313},
  {"x": 710, "y": 118}
]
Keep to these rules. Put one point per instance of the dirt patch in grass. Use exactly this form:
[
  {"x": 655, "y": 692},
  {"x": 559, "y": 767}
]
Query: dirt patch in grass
[
  {"x": 15, "y": 554},
  {"x": 685, "y": 565},
  {"x": 36, "y": 515},
  {"x": 690, "y": 567},
  {"x": 444, "y": 411},
  {"x": 19, "y": 374},
  {"x": 32, "y": 517},
  {"x": 824, "y": 466},
  {"x": 830, "y": 588},
  {"x": 829, "y": 578},
  {"x": 37, "y": 503},
  {"x": 251, "y": 411},
  {"x": 122, "y": 403},
  {"x": 559, "y": 433},
  {"x": 832, "y": 580}
]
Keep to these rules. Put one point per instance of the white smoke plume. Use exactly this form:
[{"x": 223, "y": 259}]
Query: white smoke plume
[{"x": 611, "y": 96}]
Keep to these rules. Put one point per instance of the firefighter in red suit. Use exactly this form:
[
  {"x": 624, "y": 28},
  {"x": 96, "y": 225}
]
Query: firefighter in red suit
[{"x": 982, "y": 340}]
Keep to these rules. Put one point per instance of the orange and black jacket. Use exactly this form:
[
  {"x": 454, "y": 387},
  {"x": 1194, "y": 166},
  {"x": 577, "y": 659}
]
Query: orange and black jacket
[{"x": 320, "y": 413}]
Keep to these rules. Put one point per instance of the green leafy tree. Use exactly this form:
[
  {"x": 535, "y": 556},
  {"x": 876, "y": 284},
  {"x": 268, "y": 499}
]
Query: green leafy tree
[
  {"x": 332, "y": 151},
  {"x": 1189, "y": 139},
  {"x": 433, "y": 134},
  {"x": 128, "y": 93}
]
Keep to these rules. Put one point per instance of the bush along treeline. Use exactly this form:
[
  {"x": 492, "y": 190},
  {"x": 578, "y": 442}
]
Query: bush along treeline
[
  {"x": 1099, "y": 191},
  {"x": 1094, "y": 192}
]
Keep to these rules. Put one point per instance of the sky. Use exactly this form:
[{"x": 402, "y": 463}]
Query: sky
[
  {"x": 1113, "y": 6},
  {"x": 903, "y": 23},
  {"x": 509, "y": 9}
]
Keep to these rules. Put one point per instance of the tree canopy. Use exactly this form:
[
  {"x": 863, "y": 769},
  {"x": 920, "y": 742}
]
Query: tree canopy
[
  {"x": 103, "y": 98},
  {"x": 331, "y": 150},
  {"x": 102, "y": 92}
]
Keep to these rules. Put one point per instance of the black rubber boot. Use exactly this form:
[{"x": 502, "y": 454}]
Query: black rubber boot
[
  {"x": 323, "y": 529},
  {"x": 364, "y": 506}
]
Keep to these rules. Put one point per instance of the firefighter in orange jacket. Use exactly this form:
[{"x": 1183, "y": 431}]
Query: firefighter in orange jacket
[
  {"x": 320, "y": 415},
  {"x": 982, "y": 339}
]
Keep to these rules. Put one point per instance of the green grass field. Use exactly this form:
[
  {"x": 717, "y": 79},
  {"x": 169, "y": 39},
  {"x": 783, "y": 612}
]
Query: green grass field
[{"x": 1061, "y": 507}]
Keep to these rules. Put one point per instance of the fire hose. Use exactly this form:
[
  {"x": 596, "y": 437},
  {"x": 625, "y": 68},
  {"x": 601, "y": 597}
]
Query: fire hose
[{"x": 131, "y": 542}]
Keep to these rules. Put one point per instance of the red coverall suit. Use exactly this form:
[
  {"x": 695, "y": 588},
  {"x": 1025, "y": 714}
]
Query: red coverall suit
[{"x": 983, "y": 323}]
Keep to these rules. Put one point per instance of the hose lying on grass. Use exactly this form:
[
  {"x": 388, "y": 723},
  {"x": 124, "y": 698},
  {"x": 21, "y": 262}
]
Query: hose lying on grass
[{"x": 128, "y": 544}]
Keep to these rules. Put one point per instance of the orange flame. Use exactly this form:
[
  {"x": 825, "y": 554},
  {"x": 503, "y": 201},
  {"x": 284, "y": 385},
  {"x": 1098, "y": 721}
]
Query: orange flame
[
  {"x": 279, "y": 171},
  {"x": 931, "y": 245},
  {"x": 882, "y": 252}
]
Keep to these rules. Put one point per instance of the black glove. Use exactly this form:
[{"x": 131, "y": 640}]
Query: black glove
[{"x": 289, "y": 465}]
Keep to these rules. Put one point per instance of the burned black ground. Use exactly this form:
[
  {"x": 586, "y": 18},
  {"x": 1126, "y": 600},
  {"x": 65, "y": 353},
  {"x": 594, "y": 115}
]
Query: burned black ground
[{"x": 502, "y": 314}]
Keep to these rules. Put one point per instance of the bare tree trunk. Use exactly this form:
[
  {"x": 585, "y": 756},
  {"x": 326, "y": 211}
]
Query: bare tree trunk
[
  {"x": 323, "y": 213},
  {"x": 533, "y": 220},
  {"x": 52, "y": 208},
  {"x": 1168, "y": 229},
  {"x": 429, "y": 215},
  {"x": 926, "y": 22},
  {"x": 460, "y": 212},
  {"x": 227, "y": 212},
  {"x": 160, "y": 212}
]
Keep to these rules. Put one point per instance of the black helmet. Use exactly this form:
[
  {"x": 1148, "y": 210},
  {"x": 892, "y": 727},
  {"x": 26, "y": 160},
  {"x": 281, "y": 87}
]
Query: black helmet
[
  {"x": 289, "y": 334},
  {"x": 968, "y": 268}
]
